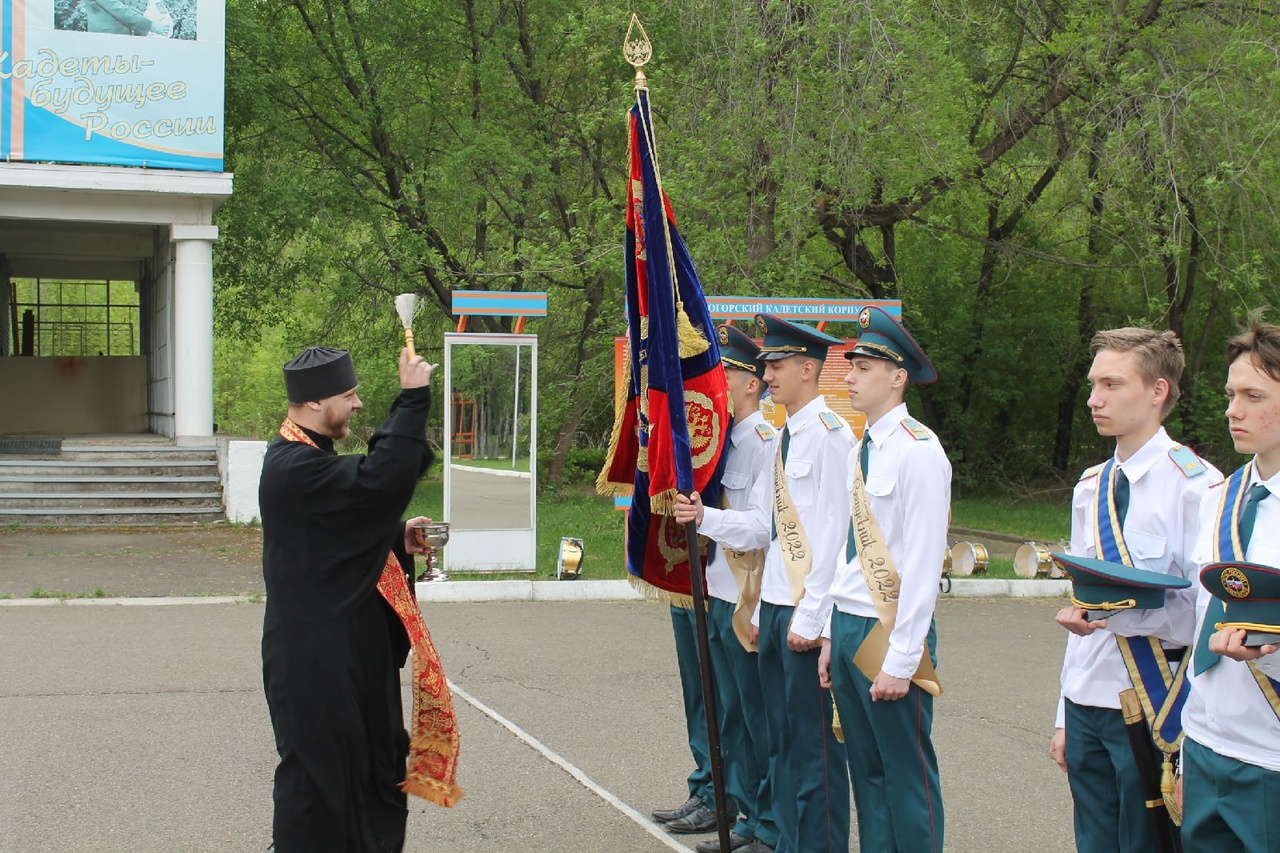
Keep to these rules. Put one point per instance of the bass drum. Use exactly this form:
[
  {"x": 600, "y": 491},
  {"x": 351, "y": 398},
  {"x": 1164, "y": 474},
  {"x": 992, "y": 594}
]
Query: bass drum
[
  {"x": 569, "y": 564},
  {"x": 968, "y": 558},
  {"x": 1032, "y": 560}
]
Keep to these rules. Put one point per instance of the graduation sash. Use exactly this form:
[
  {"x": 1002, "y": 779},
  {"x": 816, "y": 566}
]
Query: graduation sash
[
  {"x": 883, "y": 582},
  {"x": 433, "y": 738},
  {"x": 796, "y": 556},
  {"x": 1227, "y": 547},
  {"x": 1161, "y": 691},
  {"x": 747, "y": 568}
]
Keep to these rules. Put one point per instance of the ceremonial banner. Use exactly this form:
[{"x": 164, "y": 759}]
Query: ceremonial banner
[
  {"x": 113, "y": 82},
  {"x": 673, "y": 418}
]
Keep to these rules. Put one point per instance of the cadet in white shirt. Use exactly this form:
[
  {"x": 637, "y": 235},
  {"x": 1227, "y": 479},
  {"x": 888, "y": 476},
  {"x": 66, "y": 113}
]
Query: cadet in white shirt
[
  {"x": 733, "y": 581},
  {"x": 1137, "y": 509},
  {"x": 1231, "y": 752},
  {"x": 801, "y": 518},
  {"x": 880, "y": 644}
]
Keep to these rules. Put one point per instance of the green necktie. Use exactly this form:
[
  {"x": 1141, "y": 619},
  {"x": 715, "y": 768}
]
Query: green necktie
[
  {"x": 786, "y": 443},
  {"x": 864, "y": 460},
  {"x": 1121, "y": 494},
  {"x": 1205, "y": 659}
]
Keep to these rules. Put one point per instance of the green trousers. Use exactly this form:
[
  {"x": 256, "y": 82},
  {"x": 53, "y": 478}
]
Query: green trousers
[
  {"x": 744, "y": 728},
  {"x": 889, "y": 747},
  {"x": 1228, "y": 806},
  {"x": 695, "y": 712},
  {"x": 1110, "y": 812},
  {"x": 810, "y": 781}
]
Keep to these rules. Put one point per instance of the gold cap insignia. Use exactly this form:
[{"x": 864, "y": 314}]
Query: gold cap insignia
[
  {"x": 864, "y": 318},
  {"x": 1235, "y": 583},
  {"x": 723, "y": 335},
  {"x": 761, "y": 324}
]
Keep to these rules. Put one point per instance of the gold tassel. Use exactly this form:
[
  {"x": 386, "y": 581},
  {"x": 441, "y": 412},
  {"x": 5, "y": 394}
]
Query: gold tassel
[
  {"x": 836, "y": 728},
  {"x": 432, "y": 791},
  {"x": 1168, "y": 784},
  {"x": 692, "y": 341}
]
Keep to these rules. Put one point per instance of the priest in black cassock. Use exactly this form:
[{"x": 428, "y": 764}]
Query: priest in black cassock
[{"x": 337, "y": 628}]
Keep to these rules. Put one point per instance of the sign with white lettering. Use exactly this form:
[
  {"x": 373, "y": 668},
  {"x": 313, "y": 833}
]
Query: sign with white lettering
[{"x": 113, "y": 82}]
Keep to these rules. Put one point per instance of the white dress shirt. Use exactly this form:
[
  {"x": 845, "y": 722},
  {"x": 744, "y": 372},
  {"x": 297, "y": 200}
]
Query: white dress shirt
[
  {"x": 1226, "y": 711},
  {"x": 817, "y": 472},
  {"x": 750, "y": 453},
  {"x": 1160, "y": 533},
  {"x": 908, "y": 484}
]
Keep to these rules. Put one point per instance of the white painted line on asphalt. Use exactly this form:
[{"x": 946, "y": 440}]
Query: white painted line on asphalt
[
  {"x": 141, "y": 601},
  {"x": 582, "y": 778}
]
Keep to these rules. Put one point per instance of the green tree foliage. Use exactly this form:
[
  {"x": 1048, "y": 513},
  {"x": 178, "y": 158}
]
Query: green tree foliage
[{"x": 1019, "y": 174}]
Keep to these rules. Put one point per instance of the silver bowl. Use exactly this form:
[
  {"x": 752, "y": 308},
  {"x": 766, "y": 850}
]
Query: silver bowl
[{"x": 431, "y": 534}]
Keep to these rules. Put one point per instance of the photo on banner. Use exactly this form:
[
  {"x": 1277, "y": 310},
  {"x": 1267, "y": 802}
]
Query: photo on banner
[{"x": 113, "y": 82}]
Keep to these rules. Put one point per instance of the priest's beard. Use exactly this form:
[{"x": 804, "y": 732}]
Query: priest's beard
[{"x": 337, "y": 413}]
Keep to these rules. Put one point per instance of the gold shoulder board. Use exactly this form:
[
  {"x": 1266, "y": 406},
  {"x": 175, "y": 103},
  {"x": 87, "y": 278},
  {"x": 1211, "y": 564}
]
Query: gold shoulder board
[
  {"x": 830, "y": 420},
  {"x": 765, "y": 432}
]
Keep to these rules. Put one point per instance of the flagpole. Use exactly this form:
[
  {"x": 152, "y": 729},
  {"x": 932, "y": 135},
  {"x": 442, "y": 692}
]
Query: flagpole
[{"x": 638, "y": 52}]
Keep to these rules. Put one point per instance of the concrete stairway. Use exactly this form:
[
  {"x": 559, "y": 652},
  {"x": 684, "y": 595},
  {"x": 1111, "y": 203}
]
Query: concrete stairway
[{"x": 142, "y": 483}]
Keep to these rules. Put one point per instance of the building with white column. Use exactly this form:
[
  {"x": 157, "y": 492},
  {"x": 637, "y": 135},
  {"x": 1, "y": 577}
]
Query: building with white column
[{"x": 153, "y": 227}]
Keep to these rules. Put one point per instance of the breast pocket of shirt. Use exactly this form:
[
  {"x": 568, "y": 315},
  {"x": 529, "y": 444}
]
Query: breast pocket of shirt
[
  {"x": 1146, "y": 547},
  {"x": 735, "y": 481},
  {"x": 802, "y": 483},
  {"x": 1087, "y": 540},
  {"x": 880, "y": 490}
]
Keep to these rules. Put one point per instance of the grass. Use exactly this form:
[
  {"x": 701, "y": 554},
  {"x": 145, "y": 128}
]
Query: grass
[
  {"x": 999, "y": 567},
  {"x": 580, "y": 513},
  {"x": 1042, "y": 521},
  {"x": 40, "y": 592}
]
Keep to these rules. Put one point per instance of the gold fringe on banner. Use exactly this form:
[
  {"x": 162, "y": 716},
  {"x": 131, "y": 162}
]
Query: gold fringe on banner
[
  {"x": 662, "y": 596},
  {"x": 605, "y": 486},
  {"x": 663, "y": 503}
]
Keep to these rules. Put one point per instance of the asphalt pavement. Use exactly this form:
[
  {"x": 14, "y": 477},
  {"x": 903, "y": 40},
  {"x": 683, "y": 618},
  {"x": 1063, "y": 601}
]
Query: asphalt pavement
[{"x": 143, "y": 728}]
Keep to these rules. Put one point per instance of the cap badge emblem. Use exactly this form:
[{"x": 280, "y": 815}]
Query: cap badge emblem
[{"x": 1235, "y": 583}]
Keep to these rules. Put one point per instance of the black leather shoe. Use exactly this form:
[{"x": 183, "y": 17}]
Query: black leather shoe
[
  {"x": 668, "y": 815},
  {"x": 736, "y": 842},
  {"x": 701, "y": 819}
]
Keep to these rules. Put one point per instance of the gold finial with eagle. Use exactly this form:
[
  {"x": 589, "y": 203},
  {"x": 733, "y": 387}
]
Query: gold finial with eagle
[{"x": 637, "y": 50}]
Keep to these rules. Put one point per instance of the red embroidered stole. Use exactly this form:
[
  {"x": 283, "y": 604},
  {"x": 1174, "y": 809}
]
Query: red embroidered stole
[{"x": 433, "y": 738}]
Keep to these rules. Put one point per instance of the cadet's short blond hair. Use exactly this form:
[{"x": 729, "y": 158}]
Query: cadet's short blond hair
[
  {"x": 1260, "y": 340},
  {"x": 1159, "y": 356}
]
